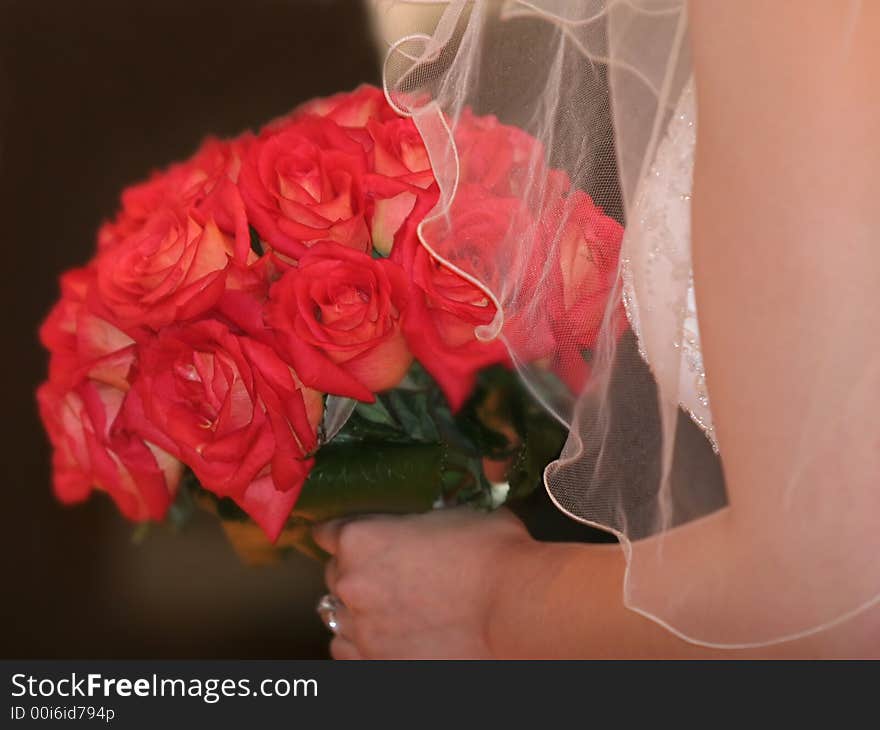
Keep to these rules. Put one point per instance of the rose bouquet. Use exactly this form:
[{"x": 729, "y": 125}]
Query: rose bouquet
[{"x": 262, "y": 331}]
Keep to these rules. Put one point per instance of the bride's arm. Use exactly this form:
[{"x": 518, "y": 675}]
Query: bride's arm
[
  {"x": 458, "y": 584},
  {"x": 562, "y": 601},
  {"x": 787, "y": 266},
  {"x": 785, "y": 229}
]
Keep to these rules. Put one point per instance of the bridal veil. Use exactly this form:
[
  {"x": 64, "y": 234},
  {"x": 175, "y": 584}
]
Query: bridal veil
[{"x": 598, "y": 82}]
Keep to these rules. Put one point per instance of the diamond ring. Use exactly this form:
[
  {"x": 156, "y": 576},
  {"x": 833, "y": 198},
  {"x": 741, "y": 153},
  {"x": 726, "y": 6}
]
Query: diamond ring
[{"x": 327, "y": 608}]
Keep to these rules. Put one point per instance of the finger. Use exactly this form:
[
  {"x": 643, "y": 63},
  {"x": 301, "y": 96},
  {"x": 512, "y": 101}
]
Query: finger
[
  {"x": 326, "y": 534},
  {"x": 344, "y": 650},
  {"x": 344, "y": 623}
]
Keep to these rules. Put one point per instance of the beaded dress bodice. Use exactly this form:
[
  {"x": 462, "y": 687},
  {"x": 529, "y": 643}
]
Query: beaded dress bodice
[{"x": 657, "y": 262}]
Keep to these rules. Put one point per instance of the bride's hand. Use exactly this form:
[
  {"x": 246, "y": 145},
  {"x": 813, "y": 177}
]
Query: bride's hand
[{"x": 418, "y": 586}]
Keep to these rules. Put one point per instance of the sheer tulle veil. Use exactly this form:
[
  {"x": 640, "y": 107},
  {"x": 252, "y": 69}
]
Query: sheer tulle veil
[{"x": 597, "y": 83}]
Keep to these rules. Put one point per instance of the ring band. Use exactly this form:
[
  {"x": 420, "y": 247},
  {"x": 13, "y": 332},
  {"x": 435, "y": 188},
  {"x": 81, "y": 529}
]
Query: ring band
[{"x": 327, "y": 608}]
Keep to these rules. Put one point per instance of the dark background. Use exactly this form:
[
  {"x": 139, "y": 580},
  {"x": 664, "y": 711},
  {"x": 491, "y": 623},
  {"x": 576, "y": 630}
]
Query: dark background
[{"x": 93, "y": 95}]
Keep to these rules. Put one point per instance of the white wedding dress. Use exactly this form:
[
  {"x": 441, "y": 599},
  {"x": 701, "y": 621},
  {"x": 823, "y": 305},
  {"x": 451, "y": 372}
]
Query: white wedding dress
[{"x": 657, "y": 252}]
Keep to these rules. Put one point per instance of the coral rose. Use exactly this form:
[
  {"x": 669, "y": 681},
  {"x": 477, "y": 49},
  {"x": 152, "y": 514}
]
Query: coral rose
[
  {"x": 338, "y": 316},
  {"x": 233, "y": 411}
]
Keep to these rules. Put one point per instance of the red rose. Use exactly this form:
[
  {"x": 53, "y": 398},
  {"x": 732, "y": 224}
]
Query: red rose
[
  {"x": 82, "y": 343},
  {"x": 583, "y": 247},
  {"x": 441, "y": 324},
  {"x": 352, "y": 109},
  {"x": 302, "y": 183},
  {"x": 338, "y": 316},
  {"x": 588, "y": 246},
  {"x": 398, "y": 151},
  {"x": 503, "y": 159},
  {"x": 183, "y": 185},
  {"x": 403, "y": 176},
  {"x": 81, "y": 406},
  {"x": 93, "y": 449},
  {"x": 173, "y": 267},
  {"x": 481, "y": 236},
  {"x": 233, "y": 411}
]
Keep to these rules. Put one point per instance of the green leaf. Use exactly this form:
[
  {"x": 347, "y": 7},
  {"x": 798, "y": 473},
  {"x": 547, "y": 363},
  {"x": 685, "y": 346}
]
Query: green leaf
[
  {"x": 184, "y": 505},
  {"x": 375, "y": 413},
  {"x": 465, "y": 483},
  {"x": 256, "y": 244},
  {"x": 403, "y": 414},
  {"x": 542, "y": 442},
  {"x": 417, "y": 378},
  {"x": 410, "y": 409},
  {"x": 362, "y": 478}
]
